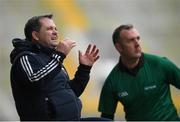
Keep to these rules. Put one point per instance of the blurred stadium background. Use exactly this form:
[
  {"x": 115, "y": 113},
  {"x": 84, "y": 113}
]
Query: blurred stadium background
[{"x": 91, "y": 21}]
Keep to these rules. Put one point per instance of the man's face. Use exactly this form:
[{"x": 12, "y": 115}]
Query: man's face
[
  {"x": 129, "y": 45},
  {"x": 48, "y": 34}
]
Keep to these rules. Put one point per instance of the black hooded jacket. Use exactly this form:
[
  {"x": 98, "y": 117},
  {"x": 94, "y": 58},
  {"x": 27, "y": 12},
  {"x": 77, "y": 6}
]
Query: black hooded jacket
[{"x": 41, "y": 86}]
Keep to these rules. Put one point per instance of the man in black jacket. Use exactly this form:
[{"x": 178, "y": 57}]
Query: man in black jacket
[{"x": 40, "y": 84}]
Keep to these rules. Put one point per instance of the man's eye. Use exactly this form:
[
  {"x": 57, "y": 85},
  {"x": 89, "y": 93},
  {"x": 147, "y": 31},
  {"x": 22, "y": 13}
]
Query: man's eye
[
  {"x": 138, "y": 38},
  {"x": 130, "y": 40},
  {"x": 49, "y": 28}
]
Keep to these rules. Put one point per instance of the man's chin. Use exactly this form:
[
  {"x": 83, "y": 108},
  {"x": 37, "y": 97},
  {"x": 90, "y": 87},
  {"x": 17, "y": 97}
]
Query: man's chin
[
  {"x": 138, "y": 55},
  {"x": 55, "y": 44}
]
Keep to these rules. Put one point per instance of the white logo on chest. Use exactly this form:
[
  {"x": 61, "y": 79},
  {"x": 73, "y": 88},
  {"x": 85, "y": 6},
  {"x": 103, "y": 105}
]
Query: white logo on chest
[
  {"x": 122, "y": 94},
  {"x": 149, "y": 87}
]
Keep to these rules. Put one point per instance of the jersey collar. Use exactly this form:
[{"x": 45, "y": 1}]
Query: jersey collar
[{"x": 133, "y": 71}]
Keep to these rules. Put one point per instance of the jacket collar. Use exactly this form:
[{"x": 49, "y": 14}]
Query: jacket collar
[
  {"x": 45, "y": 49},
  {"x": 21, "y": 45}
]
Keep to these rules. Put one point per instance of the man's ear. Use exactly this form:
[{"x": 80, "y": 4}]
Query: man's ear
[
  {"x": 118, "y": 47},
  {"x": 35, "y": 35}
]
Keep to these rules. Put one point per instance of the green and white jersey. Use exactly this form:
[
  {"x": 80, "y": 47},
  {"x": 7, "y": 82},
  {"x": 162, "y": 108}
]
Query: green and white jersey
[{"x": 145, "y": 95}]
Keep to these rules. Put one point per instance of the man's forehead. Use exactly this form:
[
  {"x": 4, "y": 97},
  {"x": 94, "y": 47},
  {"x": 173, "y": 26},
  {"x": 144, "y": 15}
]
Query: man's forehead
[
  {"x": 127, "y": 32},
  {"x": 46, "y": 20}
]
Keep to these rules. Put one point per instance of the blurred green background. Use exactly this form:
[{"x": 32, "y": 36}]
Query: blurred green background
[{"x": 91, "y": 21}]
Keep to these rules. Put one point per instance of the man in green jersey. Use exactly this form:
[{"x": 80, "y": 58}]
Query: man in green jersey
[{"x": 140, "y": 81}]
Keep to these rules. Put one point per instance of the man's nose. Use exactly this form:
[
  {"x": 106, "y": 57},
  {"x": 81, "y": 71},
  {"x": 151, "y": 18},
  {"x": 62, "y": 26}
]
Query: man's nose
[
  {"x": 137, "y": 42},
  {"x": 55, "y": 32}
]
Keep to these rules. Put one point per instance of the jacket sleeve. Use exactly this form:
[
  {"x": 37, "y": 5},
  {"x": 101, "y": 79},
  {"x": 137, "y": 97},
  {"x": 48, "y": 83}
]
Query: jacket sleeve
[
  {"x": 78, "y": 84},
  {"x": 35, "y": 70},
  {"x": 172, "y": 72}
]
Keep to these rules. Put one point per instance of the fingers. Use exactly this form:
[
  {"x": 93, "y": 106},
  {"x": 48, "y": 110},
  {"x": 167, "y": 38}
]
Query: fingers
[
  {"x": 90, "y": 57},
  {"x": 69, "y": 42},
  {"x": 66, "y": 45},
  {"x": 96, "y": 55},
  {"x": 96, "y": 52},
  {"x": 96, "y": 58},
  {"x": 88, "y": 49},
  {"x": 73, "y": 44},
  {"x": 93, "y": 49}
]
